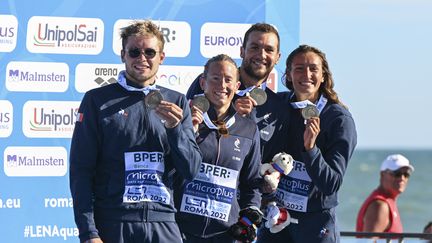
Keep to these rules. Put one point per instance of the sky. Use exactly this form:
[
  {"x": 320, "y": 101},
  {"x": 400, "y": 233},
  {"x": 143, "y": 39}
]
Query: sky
[{"x": 379, "y": 52}]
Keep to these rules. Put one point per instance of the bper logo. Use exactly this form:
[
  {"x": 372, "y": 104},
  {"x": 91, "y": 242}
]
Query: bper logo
[
  {"x": 177, "y": 36},
  {"x": 169, "y": 34}
]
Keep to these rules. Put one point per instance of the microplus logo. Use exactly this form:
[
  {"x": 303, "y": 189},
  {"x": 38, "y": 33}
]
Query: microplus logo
[
  {"x": 37, "y": 76},
  {"x": 219, "y": 38},
  {"x": 35, "y": 161},
  {"x": 65, "y": 35},
  {"x": 177, "y": 36},
  {"x": 8, "y": 33},
  {"x": 92, "y": 75},
  {"x": 49, "y": 119},
  {"x": 6, "y": 118}
]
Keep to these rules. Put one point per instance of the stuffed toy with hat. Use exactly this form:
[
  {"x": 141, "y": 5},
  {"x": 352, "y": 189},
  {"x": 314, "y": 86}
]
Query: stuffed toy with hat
[
  {"x": 246, "y": 227},
  {"x": 282, "y": 163}
]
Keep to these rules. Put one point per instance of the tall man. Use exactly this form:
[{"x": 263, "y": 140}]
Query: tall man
[
  {"x": 379, "y": 212},
  {"x": 260, "y": 52},
  {"x": 127, "y": 147}
]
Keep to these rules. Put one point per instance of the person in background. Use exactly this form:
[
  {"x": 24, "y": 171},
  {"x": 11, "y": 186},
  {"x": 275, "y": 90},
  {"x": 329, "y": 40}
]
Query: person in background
[
  {"x": 124, "y": 153},
  {"x": 379, "y": 212},
  {"x": 321, "y": 146},
  {"x": 229, "y": 142},
  {"x": 260, "y": 52}
]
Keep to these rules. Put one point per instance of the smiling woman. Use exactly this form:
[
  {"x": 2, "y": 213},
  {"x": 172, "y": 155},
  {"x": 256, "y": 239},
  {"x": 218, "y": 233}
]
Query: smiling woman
[{"x": 322, "y": 144}]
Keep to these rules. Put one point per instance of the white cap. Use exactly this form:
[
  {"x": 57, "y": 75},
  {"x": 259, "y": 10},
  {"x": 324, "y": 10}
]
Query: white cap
[{"x": 394, "y": 162}]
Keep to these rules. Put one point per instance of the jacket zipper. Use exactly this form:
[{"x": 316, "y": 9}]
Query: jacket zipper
[{"x": 218, "y": 137}]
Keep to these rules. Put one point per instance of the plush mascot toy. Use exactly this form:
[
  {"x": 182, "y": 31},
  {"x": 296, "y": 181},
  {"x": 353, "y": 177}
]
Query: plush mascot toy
[
  {"x": 277, "y": 218},
  {"x": 282, "y": 163},
  {"x": 245, "y": 228}
]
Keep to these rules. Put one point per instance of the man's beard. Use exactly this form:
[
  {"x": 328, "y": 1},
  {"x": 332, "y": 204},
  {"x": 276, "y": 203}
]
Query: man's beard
[{"x": 251, "y": 72}]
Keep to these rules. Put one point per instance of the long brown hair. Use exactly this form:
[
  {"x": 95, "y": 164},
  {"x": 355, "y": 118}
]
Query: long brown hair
[{"x": 326, "y": 88}]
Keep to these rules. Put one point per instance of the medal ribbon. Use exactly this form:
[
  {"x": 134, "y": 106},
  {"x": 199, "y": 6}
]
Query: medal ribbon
[
  {"x": 243, "y": 92},
  {"x": 302, "y": 104},
  {"x": 211, "y": 125},
  {"x": 123, "y": 83}
]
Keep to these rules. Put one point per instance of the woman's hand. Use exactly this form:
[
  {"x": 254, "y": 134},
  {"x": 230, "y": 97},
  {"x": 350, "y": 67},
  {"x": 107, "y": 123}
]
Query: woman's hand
[
  {"x": 197, "y": 117},
  {"x": 311, "y": 132}
]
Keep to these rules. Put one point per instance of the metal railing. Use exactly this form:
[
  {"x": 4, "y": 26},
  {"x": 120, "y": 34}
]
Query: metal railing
[{"x": 387, "y": 236}]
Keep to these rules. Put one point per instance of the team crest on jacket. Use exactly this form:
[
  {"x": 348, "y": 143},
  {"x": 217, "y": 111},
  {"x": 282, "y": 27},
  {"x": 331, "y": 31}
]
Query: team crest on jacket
[
  {"x": 237, "y": 145},
  {"x": 266, "y": 116},
  {"x": 122, "y": 112}
]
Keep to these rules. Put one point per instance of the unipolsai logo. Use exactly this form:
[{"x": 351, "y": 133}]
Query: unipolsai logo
[
  {"x": 49, "y": 118},
  {"x": 65, "y": 35}
]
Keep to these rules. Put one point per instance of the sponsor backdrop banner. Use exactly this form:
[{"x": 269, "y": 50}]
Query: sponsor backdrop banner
[{"x": 52, "y": 52}]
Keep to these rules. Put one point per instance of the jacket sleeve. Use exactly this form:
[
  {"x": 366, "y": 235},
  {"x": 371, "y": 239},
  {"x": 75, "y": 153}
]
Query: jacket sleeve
[
  {"x": 83, "y": 157},
  {"x": 327, "y": 165},
  {"x": 249, "y": 176},
  {"x": 184, "y": 149}
]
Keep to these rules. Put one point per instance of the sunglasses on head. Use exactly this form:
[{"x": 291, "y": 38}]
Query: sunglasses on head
[
  {"x": 136, "y": 52},
  {"x": 399, "y": 173}
]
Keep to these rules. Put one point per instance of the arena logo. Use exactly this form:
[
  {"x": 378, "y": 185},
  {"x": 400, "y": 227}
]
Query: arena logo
[
  {"x": 177, "y": 78},
  {"x": 219, "y": 38},
  {"x": 48, "y": 119},
  {"x": 177, "y": 36},
  {"x": 37, "y": 76},
  {"x": 8, "y": 33},
  {"x": 6, "y": 118},
  {"x": 35, "y": 161},
  {"x": 93, "y": 75},
  {"x": 83, "y": 36}
]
